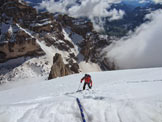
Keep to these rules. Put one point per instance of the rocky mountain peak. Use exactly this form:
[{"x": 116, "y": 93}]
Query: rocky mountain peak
[
  {"x": 26, "y": 32},
  {"x": 58, "y": 68}
]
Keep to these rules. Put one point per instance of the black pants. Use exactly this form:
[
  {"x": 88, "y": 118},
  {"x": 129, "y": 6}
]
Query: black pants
[{"x": 85, "y": 85}]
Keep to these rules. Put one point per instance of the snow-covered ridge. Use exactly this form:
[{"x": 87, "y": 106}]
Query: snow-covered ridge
[{"x": 118, "y": 96}]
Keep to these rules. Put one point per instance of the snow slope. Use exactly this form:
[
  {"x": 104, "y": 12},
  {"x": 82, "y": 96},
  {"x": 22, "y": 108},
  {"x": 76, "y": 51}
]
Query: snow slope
[{"x": 117, "y": 96}]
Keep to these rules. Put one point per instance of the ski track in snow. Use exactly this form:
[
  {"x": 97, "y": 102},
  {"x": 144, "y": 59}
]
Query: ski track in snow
[{"x": 117, "y": 96}]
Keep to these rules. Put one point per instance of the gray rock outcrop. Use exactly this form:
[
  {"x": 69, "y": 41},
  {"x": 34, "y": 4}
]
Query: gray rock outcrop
[
  {"x": 58, "y": 68},
  {"x": 21, "y": 47}
]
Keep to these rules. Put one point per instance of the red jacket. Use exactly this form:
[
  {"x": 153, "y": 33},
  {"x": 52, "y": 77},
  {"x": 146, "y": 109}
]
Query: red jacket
[{"x": 87, "y": 79}]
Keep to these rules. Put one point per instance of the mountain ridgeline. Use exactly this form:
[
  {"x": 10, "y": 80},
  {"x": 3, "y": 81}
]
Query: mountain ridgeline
[{"x": 23, "y": 29}]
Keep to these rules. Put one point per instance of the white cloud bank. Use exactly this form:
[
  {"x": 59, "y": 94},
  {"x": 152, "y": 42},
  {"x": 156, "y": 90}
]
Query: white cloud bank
[
  {"x": 143, "y": 49},
  {"x": 157, "y": 1},
  {"x": 86, "y": 8}
]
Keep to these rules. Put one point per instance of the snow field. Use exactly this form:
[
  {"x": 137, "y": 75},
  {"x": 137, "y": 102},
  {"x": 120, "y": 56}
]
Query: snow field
[
  {"x": 94, "y": 110},
  {"x": 117, "y": 96}
]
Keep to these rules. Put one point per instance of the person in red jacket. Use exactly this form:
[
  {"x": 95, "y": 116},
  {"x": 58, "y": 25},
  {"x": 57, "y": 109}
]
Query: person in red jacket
[{"x": 88, "y": 81}]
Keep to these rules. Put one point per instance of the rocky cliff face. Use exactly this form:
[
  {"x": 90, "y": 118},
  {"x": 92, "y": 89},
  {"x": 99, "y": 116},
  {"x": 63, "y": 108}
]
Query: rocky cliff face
[
  {"x": 15, "y": 42},
  {"x": 58, "y": 68},
  {"x": 20, "y": 48},
  {"x": 90, "y": 43},
  {"x": 26, "y": 32}
]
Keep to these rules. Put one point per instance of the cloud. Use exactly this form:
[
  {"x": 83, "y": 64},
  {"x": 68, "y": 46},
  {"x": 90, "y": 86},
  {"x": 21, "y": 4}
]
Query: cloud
[
  {"x": 86, "y": 8},
  {"x": 142, "y": 49},
  {"x": 143, "y": 1},
  {"x": 157, "y": 1},
  {"x": 115, "y": 15}
]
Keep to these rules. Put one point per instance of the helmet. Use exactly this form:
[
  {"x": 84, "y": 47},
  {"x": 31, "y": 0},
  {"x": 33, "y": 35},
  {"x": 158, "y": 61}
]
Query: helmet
[{"x": 87, "y": 75}]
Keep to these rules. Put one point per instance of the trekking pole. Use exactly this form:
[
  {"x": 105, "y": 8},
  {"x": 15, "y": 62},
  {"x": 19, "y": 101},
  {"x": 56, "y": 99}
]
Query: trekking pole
[{"x": 79, "y": 87}]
